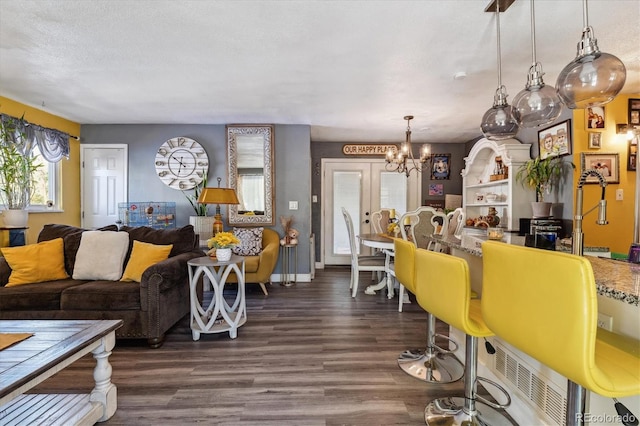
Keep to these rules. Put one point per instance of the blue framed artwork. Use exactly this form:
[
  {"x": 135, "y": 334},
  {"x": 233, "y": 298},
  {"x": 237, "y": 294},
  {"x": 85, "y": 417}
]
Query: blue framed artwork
[{"x": 440, "y": 166}]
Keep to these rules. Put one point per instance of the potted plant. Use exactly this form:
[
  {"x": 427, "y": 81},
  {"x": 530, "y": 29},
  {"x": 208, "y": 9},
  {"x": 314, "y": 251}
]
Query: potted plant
[
  {"x": 201, "y": 221},
  {"x": 16, "y": 174},
  {"x": 222, "y": 242},
  {"x": 542, "y": 175}
]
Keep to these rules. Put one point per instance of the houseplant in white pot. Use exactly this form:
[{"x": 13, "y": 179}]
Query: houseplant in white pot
[
  {"x": 16, "y": 174},
  {"x": 201, "y": 221},
  {"x": 542, "y": 175}
]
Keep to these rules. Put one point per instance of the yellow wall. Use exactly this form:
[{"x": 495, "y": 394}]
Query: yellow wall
[
  {"x": 618, "y": 234},
  {"x": 70, "y": 169}
]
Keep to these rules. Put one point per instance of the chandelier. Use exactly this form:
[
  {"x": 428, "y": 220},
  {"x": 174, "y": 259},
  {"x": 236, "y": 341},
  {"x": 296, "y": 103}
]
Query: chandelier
[{"x": 397, "y": 161}]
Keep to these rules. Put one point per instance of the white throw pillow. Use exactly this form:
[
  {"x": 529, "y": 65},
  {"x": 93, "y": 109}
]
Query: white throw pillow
[{"x": 101, "y": 255}]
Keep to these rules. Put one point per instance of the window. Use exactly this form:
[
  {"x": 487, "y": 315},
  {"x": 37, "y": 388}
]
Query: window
[{"x": 46, "y": 189}]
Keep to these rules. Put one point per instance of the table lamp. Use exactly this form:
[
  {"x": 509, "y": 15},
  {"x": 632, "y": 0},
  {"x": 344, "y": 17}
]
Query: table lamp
[{"x": 218, "y": 196}]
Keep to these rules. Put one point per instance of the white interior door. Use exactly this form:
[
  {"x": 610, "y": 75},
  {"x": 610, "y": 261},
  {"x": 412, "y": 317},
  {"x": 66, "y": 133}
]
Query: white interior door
[
  {"x": 361, "y": 186},
  {"x": 103, "y": 183}
]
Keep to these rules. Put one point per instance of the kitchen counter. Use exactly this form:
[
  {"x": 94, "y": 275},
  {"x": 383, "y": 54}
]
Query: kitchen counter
[{"x": 614, "y": 279}]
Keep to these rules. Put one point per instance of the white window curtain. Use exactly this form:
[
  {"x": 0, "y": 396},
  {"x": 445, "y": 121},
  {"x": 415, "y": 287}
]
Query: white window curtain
[{"x": 53, "y": 144}]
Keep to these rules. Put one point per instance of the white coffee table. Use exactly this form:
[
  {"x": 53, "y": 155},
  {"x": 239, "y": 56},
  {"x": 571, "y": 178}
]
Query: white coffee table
[{"x": 213, "y": 314}]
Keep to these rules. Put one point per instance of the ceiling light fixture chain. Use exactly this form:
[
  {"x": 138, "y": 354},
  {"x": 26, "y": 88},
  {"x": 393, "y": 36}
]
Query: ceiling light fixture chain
[
  {"x": 397, "y": 161},
  {"x": 537, "y": 104},
  {"x": 498, "y": 122},
  {"x": 593, "y": 78}
]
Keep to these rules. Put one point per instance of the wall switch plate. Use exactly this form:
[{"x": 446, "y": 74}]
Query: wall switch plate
[
  {"x": 619, "y": 194},
  {"x": 314, "y": 198},
  {"x": 605, "y": 321},
  {"x": 293, "y": 205}
]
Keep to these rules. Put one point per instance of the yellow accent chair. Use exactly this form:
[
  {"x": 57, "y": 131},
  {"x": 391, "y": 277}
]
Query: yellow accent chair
[
  {"x": 444, "y": 289},
  {"x": 434, "y": 364},
  {"x": 544, "y": 303},
  {"x": 258, "y": 269}
]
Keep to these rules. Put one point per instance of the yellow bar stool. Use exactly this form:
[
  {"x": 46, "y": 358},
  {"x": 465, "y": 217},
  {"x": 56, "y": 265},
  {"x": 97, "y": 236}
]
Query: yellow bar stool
[
  {"x": 444, "y": 289},
  {"x": 545, "y": 304},
  {"x": 434, "y": 364}
]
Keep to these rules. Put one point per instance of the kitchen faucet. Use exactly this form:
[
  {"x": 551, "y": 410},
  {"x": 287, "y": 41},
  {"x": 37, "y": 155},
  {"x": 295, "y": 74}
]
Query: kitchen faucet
[{"x": 577, "y": 240}]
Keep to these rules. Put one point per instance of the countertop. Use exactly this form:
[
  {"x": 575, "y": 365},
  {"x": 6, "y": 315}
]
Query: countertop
[{"x": 614, "y": 278}]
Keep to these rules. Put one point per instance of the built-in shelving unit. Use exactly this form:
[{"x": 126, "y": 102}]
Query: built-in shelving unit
[{"x": 511, "y": 200}]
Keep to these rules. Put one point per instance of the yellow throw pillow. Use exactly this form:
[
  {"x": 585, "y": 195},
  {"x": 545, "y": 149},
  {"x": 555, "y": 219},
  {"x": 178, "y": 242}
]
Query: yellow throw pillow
[
  {"x": 35, "y": 263},
  {"x": 144, "y": 255}
]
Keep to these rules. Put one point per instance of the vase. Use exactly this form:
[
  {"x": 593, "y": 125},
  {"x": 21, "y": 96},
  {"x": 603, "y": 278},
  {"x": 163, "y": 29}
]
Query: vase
[
  {"x": 541, "y": 209},
  {"x": 203, "y": 227},
  {"x": 15, "y": 218},
  {"x": 223, "y": 254}
]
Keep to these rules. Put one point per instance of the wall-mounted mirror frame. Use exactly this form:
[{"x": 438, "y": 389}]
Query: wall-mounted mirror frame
[{"x": 248, "y": 147}]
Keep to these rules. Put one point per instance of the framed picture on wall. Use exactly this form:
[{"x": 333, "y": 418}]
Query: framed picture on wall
[
  {"x": 555, "y": 140},
  {"x": 608, "y": 164},
  {"x": 440, "y": 166},
  {"x": 634, "y": 112},
  {"x": 632, "y": 157},
  {"x": 595, "y": 140},
  {"x": 595, "y": 118}
]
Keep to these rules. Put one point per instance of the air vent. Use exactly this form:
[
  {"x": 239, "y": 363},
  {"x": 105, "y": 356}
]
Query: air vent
[{"x": 543, "y": 393}]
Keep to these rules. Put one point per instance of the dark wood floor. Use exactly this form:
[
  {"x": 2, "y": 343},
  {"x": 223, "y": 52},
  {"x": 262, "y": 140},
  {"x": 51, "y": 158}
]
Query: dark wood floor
[{"x": 308, "y": 355}]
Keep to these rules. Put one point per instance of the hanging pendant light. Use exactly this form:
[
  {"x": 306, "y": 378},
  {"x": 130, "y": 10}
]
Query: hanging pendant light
[
  {"x": 498, "y": 122},
  {"x": 397, "y": 161},
  {"x": 538, "y": 104},
  {"x": 593, "y": 78}
]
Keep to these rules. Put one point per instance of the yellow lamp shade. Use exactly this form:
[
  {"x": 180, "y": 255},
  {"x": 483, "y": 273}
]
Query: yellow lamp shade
[{"x": 218, "y": 196}]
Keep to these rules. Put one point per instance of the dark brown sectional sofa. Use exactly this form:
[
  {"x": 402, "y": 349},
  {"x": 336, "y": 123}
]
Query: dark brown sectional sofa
[{"x": 148, "y": 308}]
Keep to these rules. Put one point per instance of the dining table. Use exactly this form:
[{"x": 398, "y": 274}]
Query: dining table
[{"x": 384, "y": 243}]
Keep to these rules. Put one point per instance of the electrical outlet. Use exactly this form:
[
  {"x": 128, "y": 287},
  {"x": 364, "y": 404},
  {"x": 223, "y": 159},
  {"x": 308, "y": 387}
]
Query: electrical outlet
[
  {"x": 619, "y": 194},
  {"x": 605, "y": 321}
]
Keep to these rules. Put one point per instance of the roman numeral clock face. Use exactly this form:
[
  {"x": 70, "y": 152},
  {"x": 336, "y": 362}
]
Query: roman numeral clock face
[{"x": 181, "y": 163}]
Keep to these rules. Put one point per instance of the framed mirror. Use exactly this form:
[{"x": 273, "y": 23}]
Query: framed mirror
[{"x": 251, "y": 173}]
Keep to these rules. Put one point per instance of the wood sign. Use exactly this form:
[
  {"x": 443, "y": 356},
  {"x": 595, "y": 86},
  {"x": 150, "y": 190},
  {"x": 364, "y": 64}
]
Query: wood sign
[{"x": 368, "y": 149}]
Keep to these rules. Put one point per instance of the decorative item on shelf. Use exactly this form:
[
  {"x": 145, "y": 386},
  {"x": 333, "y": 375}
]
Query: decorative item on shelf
[
  {"x": 218, "y": 196},
  {"x": 495, "y": 233},
  {"x": 221, "y": 244},
  {"x": 397, "y": 161},
  {"x": 498, "y": 122},
  {"x": 593, "y": 78},
  {"x": 538, "y": 104},
  {"x": 290, "y": 234},
  {"x": 500, "y": 171}
]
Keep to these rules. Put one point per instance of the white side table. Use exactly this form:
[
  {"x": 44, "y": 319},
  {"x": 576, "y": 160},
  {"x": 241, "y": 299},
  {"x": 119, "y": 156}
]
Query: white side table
[{"x": 218, "y": 316}]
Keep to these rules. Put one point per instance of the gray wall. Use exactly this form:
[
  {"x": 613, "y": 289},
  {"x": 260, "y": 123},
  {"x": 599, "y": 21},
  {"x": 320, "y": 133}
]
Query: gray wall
[{"x": 292, "y": 165}]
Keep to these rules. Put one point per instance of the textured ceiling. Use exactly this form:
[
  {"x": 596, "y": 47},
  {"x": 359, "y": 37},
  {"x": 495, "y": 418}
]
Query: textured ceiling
[{"x": 349, "y": 69}]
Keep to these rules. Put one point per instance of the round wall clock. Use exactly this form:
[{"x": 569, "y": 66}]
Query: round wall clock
[{"x": 181, "y": 163}]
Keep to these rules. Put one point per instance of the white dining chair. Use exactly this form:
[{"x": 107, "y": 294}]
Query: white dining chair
[
  {"x": 358, "y": 262},
  {"x": 380, "y": 221},
  {"x": 456, "y": 221}
]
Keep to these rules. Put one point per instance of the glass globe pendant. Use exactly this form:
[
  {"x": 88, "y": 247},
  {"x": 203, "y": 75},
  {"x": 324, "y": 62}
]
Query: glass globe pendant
[
  {"x": 538, "y": 104},
  {"x": 498, "y": 122},
  {"x": 593, "y": 78}
]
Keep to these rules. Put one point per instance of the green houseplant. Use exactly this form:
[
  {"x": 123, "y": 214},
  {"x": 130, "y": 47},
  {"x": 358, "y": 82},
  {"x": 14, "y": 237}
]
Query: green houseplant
[
  {"x": 201, "y": 221},
  {"x": 16, "y": 173},
  {"x": 542, "y": 175}
]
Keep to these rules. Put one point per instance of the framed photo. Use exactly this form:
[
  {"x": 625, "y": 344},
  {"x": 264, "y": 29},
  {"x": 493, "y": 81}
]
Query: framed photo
[
  {"x": 595, "y": 140},
  {"x": 440, "y": 166},
  {"x": 436, "y": 189},
  {"x": 634, "y": 112},
  {"x": 595, "y": 118},
  {"x": 607, "y": 164},
  {"x": 632, "y": 157},
  {"x": 555, "y": 140}
]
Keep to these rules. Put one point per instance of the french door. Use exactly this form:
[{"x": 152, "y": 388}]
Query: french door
[{"x": 361, "y": 186}]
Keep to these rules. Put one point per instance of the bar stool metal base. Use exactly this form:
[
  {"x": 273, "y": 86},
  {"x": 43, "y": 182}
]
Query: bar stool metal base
[
  {"x": 452, "y": 412},
  {"x": 431, "y": 367}
]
